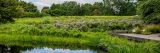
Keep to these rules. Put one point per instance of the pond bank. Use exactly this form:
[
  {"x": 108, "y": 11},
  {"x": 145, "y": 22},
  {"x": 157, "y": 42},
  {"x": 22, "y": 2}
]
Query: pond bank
[{"x": 97, "y": 40}]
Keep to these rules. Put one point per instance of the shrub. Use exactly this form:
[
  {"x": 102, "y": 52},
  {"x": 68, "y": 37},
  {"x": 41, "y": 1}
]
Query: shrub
[
  {"x": 149, "y": 10},
  {"x": 150, "y": 29},
  {"x": 146, "y": 30},
  {"x": 155, "y": 18},
  {"x": 33, "y": 14},
  {"x": 137, "y": 30}
]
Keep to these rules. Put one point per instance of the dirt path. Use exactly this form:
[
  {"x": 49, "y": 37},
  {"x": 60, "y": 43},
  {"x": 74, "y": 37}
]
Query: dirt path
[{"x": 139, "y": 37}]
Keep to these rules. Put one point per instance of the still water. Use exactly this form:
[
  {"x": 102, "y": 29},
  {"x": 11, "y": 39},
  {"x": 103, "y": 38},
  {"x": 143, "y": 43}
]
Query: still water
[{"x": 18, "y": 49}]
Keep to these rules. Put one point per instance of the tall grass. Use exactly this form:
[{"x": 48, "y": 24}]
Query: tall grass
[
  {"x": 86, "y": 23},
  {"x": 40, "y": 30},
  {"x": 96, "y": 40},
  {"x": 77, "y": 31}
]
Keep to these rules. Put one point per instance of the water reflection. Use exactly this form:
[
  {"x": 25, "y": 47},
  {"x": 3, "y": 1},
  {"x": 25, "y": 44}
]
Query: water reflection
[
  {"x": 50, "y": 50},
  {"x": 18, "y": 49},
  {"x": 6, "y": 49}
]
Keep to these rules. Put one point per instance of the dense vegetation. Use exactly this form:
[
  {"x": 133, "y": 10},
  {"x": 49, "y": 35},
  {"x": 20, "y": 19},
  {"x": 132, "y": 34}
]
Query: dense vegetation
[
  {"x": 28, "y": 10},
  {"x": 15, "y": 9},
  {"x": 81, "y": 24},
  {"x": 150, "y": 11},
  {"x": 98, "y": 8},
  {"x": 77, "y": 23},
  {"x": 55, "y": 31},
  {"x": 8, "y": 10},
  {"x": 121, "y": 7},
  {"x": 23, "y": 9}
]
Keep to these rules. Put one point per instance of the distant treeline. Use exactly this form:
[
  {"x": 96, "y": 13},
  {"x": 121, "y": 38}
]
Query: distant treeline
[
  {"x": 72, "y": 8},
  {"x": 10, "y": 9}
]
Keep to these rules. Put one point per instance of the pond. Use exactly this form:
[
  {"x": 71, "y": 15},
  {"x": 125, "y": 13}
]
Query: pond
[{"x": 26, "y": 49}]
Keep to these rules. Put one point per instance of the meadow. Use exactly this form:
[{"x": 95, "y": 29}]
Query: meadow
[{"x": 82, "y": 31}]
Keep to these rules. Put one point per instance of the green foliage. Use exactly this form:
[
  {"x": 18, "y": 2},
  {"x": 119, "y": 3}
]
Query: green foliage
[
  {"x": 45, "y": 11},
  {"x": 71, "y": 8},
  {"x": 29, "y": 10},
  {"x": 39, "y": 30},
  {"x": 150, "y": 29},
  {"x": 98, "y": 8},
  {"x": 28, "y": 7},
  {"x": 121, "y": 7},
  {"x": 86, "y": 9},
  {"x": 152, "y": 18},
  {"x": 157, "y": 48},
  {"x": 8, "y": 10},
  {"x": 88, "y": 23},
  {"x": 96, "y": 12},
  {"x": 149, "y": 10},
  {"x": 137, "y": 30},
  {"x": 32, "y": 14},
  {"x": 35, "y": 31},
  {"x": 147, "y": 30},
  {"x": 96, "y": 40},
  {"x": 33, "y": 40},
  {"x": 56, "y": 12},
  {"x": 14, "y": 9}
]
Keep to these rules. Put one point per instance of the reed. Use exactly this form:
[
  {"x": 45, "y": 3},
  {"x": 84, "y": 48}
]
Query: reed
[{"x": 75, "y": 31}]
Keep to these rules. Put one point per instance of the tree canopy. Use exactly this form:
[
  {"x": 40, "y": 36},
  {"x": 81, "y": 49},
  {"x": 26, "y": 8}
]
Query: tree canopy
[
  {"x": 8, "y": 10},
  {"x": 72, "y": 8},
  {"x": 121, "y": 7},
  {"x": 150, "y": 11}
]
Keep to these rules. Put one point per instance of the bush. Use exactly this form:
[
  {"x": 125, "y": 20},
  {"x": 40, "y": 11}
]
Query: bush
[
  {"x": 150, "y": 11},
  {"x": 137, "y": 30},
  {"x": 33, "y": 14},
  {"x": 146, "y": 30},
  {"x": 155, "y": 18},
  {"x": 150, "y": 29}
]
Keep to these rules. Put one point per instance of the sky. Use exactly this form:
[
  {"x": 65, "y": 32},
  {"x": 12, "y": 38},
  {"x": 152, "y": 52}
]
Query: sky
[{"x": 42, "y": 3}]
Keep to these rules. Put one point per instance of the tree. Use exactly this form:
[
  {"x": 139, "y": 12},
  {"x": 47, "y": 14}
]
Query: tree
[
  {"x": 108, "y": 7},
  {"x": 56, "y": 10},
  {"x": 98, "y": 8},
  {"x": 29, "y": 10},
  {"x": 45, "y": 10},
  {"x": 150, "y": 11},
  {"x": 126, "y": 7},
  {"x": 71, "y": 8},
  {"x": 86, "y": 9},
  {"x": 8, "y": 10},
  {"x": 97, "y": 12},
  {"x": 28, "y": 7},
  {"x": 121, "y": 7}
]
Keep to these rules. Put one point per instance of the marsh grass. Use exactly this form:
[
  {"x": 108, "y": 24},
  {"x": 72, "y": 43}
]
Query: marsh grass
[
  {"x": 96, "y": 40},
  {"x": 78, "y": 31},
  {"x": 85, "y": 23}
]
